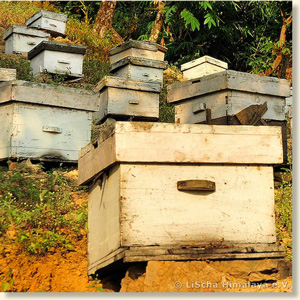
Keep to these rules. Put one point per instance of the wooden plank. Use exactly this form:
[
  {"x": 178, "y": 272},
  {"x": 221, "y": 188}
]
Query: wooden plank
[
  {"x": 240, "y": 247},
  {"x": 89, "y": 165},
  {"x": 47, "y": 94},
  {"x": 8, "y": 74},
  {"x": 241, "y": 210},
  {"x": 204, "y": 256},
  {"x": 252, "y": 114},
  {"x": 231, "y": 80},
  {"x": 103, "y": 217},
  {"x": 139, "y": 61},
  {"x": 196, "y": 185},
  {"x": 128, "y": 84},
  {"x": 145, "y": 45}
]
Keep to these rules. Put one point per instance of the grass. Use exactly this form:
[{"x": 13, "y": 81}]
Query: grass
[{"x": 37, "y": 211}]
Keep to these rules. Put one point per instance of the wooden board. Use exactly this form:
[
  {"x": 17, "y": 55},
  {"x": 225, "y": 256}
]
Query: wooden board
[
  {"x": 127, "y": 84},
  {"x": 103, "y": 218},
  {"x": 240, "y": 210},
  {"x": 47, "y": 94},
  {"x": 8, "y": 74},
  {"x": 146, "y": 142},
  {"x": 231, "y": 80}
]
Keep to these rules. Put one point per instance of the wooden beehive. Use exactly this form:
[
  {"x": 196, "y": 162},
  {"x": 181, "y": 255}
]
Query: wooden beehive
[
  {"x": 57, "y": 58},
  {"x": 21, "y": 39},
  {"x": 7, "y": 74},
  {"x": 143, "y": 49},
  {"x": 52, "y": 22},
  {"x": 156, "y": 189},
  {"x": 43, "y": 121},
  {"x": 137, "y": 68},
  {"x": 124, "y": 99},
  {"x": 203, "y": 66},
  {"x": 231, "y": 98}
]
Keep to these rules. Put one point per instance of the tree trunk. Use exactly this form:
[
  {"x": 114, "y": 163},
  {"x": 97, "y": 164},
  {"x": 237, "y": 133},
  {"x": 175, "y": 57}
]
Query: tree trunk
[
  {"x": 159, "y": 20},
  {"x": 282, "y": 40},
  {"x": 104, "y": 20}
]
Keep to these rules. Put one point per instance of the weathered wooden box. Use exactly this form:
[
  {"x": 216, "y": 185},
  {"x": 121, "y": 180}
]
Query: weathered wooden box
[
  {"x": 137, "y": 68},
  {"x": 231, "y": 98},
  {"x": 21, "y": 39},
  {"x": 57, "y": 58},
  {"x": 7, "y": 74},
  {"x": 43, "y": 121},
  {"x": 143, "y": 49},
  {"x": 123, "y": 99},
  {"x": 203, "y": 66},
  {"x": 156, "y": 189},
  {"x": 52, "y": 22}
]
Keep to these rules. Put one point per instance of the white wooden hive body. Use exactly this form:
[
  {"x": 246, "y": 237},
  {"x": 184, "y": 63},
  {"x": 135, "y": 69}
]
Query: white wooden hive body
[
  {"x": 20, "y": 39},
  {"x": 41, "y": 121},
  {"x": 123, "y": 99},
  {"x": 134, "y": 199},
  {"x": 226, "y": 94},
  {"x": 52, "y": 22}
]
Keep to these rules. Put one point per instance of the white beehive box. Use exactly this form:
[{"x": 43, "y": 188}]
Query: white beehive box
[
  {"x": 21, "y": 39},
  {"x": 57, "y": 58},
  {"x": 52, "y": 22},
  {"x": 231, "y": 98},
  {"x": 42, "y": 121},
  {"x": 123, "y": 99},
  {"x": 203, "y": 66},
  {"x": 169, "y": 185},
  {"x": 137, "y": 68},
  {"x": 226, "y": 94},
  {"x": 142, "y": 49},
  {"x": 7, "y": 74}
]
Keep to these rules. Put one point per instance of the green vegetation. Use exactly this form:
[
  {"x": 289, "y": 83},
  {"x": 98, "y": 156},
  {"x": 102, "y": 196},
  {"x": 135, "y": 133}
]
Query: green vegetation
[{"x": 37, "y": 210}]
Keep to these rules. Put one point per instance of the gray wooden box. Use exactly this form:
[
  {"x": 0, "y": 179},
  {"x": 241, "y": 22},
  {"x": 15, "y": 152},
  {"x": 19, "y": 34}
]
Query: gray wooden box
[
  {"x": 125, "y": 99},
  {"x": 52, "y": 22},
  {"x": 43, "y": 121},
  {"x": 7, "y": 74},
  {"x": 202, "y": 66},
  {"x": 21, "y": 39},
  {"x": 231, "y": 98},
  {"x": 137, "y": 68},
  {"x": 57, "y": 58},
  {"x": 142, "y": 49},
  {"x": 148, "y": 199}
]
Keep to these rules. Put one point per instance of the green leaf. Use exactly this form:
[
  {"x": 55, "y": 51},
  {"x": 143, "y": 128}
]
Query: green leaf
[
  {"x": 5, "y": 286},
  {"x": 190, "y": 19}
]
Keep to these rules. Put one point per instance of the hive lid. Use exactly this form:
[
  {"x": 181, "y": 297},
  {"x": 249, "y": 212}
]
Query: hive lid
[
  {"x": 52, "y": 46},
  {"x": 24, "y": 31},
  {"x": 146, "y": 45},
  {"x": 202, "y": 60},
  {"x": 46, "y": 14},
  {"x": 139, "y": 61},
  {"x": 48, "y": 94},
  {"x": 167, "y": 143},
  {"x": 128, "y": 84},
  {"x": 7, "y": 74},
  {"x": 228, "y": 80}
]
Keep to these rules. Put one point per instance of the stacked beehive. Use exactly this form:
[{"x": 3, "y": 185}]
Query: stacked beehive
[
  {"x": 215, "y": 95},
  {"x": 133, "y": 90},
  {"x": 32, "y": 40},
  {"x": 43, "y": 121},
  {"x": 170, "y": 191}
]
